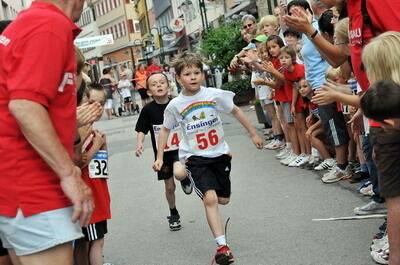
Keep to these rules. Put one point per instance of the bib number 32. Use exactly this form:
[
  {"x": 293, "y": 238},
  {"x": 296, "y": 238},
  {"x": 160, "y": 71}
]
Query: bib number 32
[
  {"x": 204, "y": 140},
  {"x": 98, "y": 166}
]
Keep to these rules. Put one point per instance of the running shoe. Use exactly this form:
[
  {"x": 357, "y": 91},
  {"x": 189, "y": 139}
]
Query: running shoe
[
  {"x": 187, "y": 186},
  {"x": 367, "y": 191},
  {"x": 283, "y": 154},
  {"x": 300, "y": 160},
  {"x": 336, "y": 174},
  {"x": 371, "y": 208},
  {"x": 274, "y": 144},
  {"x": 365, "y": 184},
  {"x": 358, "y": 176},
  {"x": 378, "y": 244},
  {"x": 174, "y": 222},
  {"x": 327, "y": 164},
  {"x": 289, "y": 159},
  {"x": 224, "y": 255},
  {"x": 381, "y": 256}
]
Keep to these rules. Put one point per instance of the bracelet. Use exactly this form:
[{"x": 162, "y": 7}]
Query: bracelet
[{"x": 313, "y": 35}]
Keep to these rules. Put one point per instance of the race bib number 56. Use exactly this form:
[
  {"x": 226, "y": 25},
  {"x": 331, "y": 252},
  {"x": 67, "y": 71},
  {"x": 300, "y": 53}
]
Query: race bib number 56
[
  {"x": 205, "y": 134},
  {"x": 98, "y": 166}
]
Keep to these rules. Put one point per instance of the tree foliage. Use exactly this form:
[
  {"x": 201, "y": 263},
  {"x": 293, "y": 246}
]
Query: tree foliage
[{"x": 222, "y": 44}]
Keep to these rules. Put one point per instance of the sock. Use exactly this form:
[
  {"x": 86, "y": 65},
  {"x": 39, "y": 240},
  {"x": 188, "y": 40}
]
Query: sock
[
  {"x": 174, "y": 211},
  {"x": 314, "y": 152},
  {"x": 364, "y": 167},
  {"x": 288, "y": 145},
  {"x": 342, "y": 166},
  {"x": 279, "y": 137},
  {"x": 221, "y": 240},
  {"x": 186, "y": 181}
]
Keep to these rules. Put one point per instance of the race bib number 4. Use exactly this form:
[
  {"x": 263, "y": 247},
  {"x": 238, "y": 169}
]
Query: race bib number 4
[
  {"x": 205, "y": 134},
  {"x": 98, "y": 166},
  {"x": 173, "y": 138}
]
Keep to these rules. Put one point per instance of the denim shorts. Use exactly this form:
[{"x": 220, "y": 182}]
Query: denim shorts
[{"x": 39, "y": 232}]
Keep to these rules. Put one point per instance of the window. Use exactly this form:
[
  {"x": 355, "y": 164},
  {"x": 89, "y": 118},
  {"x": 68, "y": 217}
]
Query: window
[
  {"x": 143, "y": 26},
  {"x": 102, "y": 8},
  {"x": 136, "y": 26},
  {"x": 123, "y": 28},
  {"x": 120, "y": 29}
]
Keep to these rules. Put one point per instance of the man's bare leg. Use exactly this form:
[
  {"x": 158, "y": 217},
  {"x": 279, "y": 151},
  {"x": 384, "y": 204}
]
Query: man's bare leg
[{"x": 60, "y": 255}]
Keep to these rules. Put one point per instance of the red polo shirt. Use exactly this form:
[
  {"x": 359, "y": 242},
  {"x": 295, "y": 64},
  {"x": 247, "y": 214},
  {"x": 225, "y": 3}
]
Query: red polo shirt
[{"x": 37, "y": 64}]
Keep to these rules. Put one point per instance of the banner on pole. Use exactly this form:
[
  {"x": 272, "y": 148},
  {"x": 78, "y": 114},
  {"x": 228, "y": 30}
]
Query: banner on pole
[{"x": 95, "y": 41}]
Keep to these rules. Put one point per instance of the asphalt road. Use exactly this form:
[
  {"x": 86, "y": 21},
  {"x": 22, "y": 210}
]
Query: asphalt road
[{"x": 271, "y": 210}]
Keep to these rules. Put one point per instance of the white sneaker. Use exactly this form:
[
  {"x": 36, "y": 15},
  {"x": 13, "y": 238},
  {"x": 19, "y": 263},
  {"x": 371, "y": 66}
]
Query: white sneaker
[
  {"x": 300, "y": 160},
  {"x": 367, "y": 190},
  {"x": 289, "y": 159},
  {"x": 377, "y": 245},
  {"x": 371, "y": 208},
  {"x": 275, "y": 144},
  {"x": 327, "y": 164},
  {"x": 283, "y": 154},
  {"x": 336, "y": 174},
  {"x": 381, "y": 256}
]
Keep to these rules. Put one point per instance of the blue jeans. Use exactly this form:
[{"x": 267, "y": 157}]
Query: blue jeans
[{"x": 372, "y": 170}]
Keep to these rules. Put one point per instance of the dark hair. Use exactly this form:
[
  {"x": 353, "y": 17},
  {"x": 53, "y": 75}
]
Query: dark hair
[
  {"x": 289, "y": 50},
  {"x": 97, "y": 87},
  {"x": 301, "y": 3},
  {"x": 106, "y": 71},
  {"x": 155, "y": 73},
  {"x": 187, "y": 59},
  {"x": 4, "y": 24},
  {"x": 382, "y": 101},
  {"x": 292, "y": 32},
  {"x": 278, "y": 40},
  {"x": 80, "y": 92},
  {"x": 325, "y": 24}
]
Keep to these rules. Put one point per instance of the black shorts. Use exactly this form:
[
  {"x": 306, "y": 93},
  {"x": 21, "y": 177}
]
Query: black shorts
[
  {"x": 95, "y": 231},
  {"x": 211, "y": 174},
  {"x": 3, "y": 251},
  {"x": 143, "y": 93},
  {"x": 167, "y": 170},
  {"x": 334, "y": 124},
  {"x": 127, "y": 99},
  {"x": 387, "y": 158}
]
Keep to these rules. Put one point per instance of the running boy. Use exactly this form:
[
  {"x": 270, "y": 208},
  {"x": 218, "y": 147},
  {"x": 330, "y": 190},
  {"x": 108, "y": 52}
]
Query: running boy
[
  {"x": 151, "y": 119},
  {"x": 197, "y": 109}
]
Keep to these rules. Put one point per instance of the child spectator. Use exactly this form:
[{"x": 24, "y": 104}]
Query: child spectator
[
  {"x": 151, "y": 119},
  {"x": 293, "y": 72},
  {"x": 140, "y": 79},
  {"x": 197, "y": 109},
  {"x": 268, "y": 25},
  {"x": 124, "y": 85},
  {"x": 95, "y": 174}
]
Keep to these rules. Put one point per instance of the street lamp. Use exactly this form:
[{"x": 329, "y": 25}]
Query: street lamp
[{"x": 163, "y": 30}]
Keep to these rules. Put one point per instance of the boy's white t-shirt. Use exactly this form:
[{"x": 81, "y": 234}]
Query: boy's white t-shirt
[
  {"x": 198, "y": 116},
  {"x": 125, "y": 86}
]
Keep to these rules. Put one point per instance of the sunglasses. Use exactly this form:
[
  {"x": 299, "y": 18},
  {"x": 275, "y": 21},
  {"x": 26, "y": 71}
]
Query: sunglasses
[{"x": 248, "y": 26}]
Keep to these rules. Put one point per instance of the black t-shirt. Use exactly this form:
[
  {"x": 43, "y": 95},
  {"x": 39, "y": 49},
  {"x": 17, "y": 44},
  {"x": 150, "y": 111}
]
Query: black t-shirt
[
  {"x": 151, "y": 114},
  {"x": 107, "y": 85}
]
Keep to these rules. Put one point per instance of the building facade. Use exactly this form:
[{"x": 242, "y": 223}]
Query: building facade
[{"x": 9, "y": 8}]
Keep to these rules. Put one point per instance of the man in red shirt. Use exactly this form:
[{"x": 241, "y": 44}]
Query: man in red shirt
[
  {"x": 154, "y": 67},
  {"x": 42, "y": 195}
]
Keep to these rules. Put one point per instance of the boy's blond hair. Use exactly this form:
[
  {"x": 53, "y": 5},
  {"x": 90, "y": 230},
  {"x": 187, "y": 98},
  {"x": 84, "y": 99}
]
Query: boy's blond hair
[
  {"x": 269, "y": 19},
  {"x": 381, "y": 57},
  {"x": 333, "y": 72},
  {"x": 342, "y": 31},
  {"x": 187, "y": 59}
]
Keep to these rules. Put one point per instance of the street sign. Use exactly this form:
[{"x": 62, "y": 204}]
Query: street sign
[
  {"x": 95, "y": 41},
  {"x": 168, "y": 37},
  {"x": 177, "y": 25}
]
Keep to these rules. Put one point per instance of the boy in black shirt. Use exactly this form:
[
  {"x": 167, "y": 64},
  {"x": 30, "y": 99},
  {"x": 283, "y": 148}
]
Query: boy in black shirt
[{"x": 151, "y": 119}]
